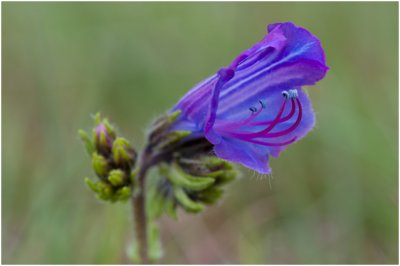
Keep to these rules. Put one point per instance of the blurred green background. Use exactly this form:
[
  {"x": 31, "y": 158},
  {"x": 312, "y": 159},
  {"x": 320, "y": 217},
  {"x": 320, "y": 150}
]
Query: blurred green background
[{"x": 333, "y": 197}]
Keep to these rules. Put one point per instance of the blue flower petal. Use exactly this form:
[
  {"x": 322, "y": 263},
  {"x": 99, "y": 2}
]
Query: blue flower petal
[
  {"x": 244, "y": 153},
  {"x": 254, "y": 155},
  {"x": 241, "y": 109}
]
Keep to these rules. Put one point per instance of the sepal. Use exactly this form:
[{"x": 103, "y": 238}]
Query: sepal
[
  {"x": 161, "y": 125},
  {"x": 172, "y": 139},
  {"x": 178, "y": 177},
  {"x": 161, "y": 138},
  {"x": 92, "y": 185},
  {"x": 103, "y": 135},
  {"x": 155, "y": 248},
  {"x": 84, "y": 136}
]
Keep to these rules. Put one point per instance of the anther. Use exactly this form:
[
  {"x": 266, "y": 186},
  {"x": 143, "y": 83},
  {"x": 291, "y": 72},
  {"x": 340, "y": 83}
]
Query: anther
[
  {"x": 291, "y": 94},
  {"x": 253, "y": 109},
  {"x": 262, "y": 104}
]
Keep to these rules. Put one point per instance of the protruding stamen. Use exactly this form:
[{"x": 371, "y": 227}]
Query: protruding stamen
[
  {"x": 265, "y": 133},
  {"x": 291, "y": 128},
  {"x": 254, "y": 114},
  {"x": 283, "y": 119},
  {"x": 261, "y": 135}
]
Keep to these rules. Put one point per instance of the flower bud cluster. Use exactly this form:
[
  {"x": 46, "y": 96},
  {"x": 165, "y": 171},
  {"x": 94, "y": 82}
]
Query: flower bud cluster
[{"x": 113, "y": 159}]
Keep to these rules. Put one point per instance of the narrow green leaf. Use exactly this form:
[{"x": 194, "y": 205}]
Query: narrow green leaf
[
  {"x": 195, "y": 183},
  {"x": 156, "y": 203},
  {"x": 187, "y": 203},
  {"x": 211, "y": 195},
  {"x": 216, "y": 173},
  {"x": 227, "y": 177},
  {"x": 132, "y": 252},
  {"x": 215, "y": 162},
  {"x": 155, "y": 249}
]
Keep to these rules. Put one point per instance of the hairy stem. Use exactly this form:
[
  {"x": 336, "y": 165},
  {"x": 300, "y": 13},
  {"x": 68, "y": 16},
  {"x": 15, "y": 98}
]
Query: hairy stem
[{"x": 139, "y": 208}]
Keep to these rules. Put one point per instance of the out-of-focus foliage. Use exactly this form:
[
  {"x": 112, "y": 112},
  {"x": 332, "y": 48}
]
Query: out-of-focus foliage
[{"x": 332, "y": 198}]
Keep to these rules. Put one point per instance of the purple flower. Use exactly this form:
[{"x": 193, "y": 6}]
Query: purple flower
[{"x": 255, "y": 107}]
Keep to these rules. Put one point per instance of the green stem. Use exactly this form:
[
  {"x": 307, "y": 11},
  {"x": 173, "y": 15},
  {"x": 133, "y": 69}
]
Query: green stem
[
  {"x": 147, "y": 160},
  {"x": 139, "y": 208}
]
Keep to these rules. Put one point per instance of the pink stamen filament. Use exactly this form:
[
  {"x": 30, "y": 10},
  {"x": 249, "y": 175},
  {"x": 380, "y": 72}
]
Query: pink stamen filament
[
  {"x": 250, "y": 137},
  {"x": 272, "y": 144},
  {"x": 232, "y": 126},
  {"x": 264, "y": 131},
  {"x": 290, "y": 129},
  {"x": 275, "y": 121},
  {"x": 251, "y": 117},
  {"x": 246, "y": 122},
  {"x": 285, "y": 118}
]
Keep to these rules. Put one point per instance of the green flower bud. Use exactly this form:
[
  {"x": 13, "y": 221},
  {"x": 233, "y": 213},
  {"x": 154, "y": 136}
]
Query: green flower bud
[
  {"x": 123, "y": 154},
  {"x": 117, "y": 177},
  {"x": 100, "y": 165},
  {"x": 123, "y": 194},
  {"x": 105, "y": 191}
]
